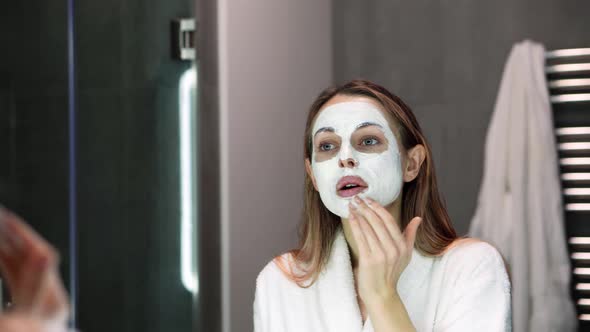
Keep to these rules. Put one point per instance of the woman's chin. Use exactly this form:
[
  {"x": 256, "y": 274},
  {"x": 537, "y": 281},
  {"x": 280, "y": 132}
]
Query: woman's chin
[{"x": 342, "y": 211}]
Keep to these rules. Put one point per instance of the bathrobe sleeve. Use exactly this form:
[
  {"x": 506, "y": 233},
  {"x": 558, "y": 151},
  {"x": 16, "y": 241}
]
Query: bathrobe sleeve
[
  {"x": 256, "y": 310},
  {"x": 476, "y": 292},
  {"x": 261, "y": 300}
]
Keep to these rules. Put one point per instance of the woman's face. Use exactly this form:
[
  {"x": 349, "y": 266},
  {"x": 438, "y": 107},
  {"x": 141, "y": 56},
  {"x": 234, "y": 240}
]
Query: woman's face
[{"x": 355, "y": 152}]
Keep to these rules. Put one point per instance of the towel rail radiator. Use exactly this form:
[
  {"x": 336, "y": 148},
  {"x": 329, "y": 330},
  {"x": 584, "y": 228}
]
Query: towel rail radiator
[
  {"x": 568, "y": 78},
  {"x": 577, "y": 63}
]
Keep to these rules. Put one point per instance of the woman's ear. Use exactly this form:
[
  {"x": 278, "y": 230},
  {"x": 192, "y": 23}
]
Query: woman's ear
[
  {"x": 414, "y": 159},
  {"x": 310, "y": 173}
]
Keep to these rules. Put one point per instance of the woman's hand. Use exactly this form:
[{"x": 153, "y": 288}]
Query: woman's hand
[
  {"x": 30, "y": 267},
  {"x": 15, "y": 322},
  {"x": 384, "y": 252}
]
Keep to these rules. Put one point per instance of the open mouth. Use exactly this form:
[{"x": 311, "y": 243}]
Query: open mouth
[{"x": 349, "y": 186}]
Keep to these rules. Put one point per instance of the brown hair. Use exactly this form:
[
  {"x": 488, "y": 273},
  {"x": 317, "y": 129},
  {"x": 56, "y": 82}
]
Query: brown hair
[{"x": 420, "y": 197}]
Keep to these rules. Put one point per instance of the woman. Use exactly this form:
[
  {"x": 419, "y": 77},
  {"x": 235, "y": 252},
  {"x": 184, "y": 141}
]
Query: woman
[
  {"x": 377, "y": 249},
  {"x": 29, "y": 265}
]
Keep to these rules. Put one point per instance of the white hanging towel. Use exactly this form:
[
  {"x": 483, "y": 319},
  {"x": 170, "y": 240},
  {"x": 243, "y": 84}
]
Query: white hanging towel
[{"x": 520, "y": 208}]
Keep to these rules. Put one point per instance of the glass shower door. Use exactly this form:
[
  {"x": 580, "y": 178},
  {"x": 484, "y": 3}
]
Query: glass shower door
[
  {"x": 34, "y": 120},
  {"x": 135, "y": 190},
  {"x": 116, "y": 194}
]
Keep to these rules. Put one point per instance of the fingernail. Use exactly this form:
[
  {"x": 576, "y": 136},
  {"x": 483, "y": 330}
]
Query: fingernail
[{"x": 357, "y": 199}]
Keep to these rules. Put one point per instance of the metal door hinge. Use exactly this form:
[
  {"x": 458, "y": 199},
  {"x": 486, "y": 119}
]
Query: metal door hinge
[{"x": 183, "y": 38}]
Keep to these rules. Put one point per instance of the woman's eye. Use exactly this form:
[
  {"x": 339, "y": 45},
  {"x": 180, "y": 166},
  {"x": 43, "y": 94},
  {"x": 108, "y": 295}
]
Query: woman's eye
[
  {"x": 326, "y": 146},
  {"x": 370, "y": 141}
]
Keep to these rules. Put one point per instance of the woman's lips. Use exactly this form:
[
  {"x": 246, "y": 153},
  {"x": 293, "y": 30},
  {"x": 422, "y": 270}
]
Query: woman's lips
[
  {"x": 350, "y": 192},
  {"x": 356, "y": 185}
]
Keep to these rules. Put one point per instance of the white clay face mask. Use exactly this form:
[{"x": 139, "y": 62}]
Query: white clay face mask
[{"x": 376, "y": 175}]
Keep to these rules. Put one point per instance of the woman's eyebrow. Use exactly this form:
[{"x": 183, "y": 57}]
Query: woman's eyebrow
[
  {"x": 328, "y": 129},
  {"x": 366, "y": 124}
]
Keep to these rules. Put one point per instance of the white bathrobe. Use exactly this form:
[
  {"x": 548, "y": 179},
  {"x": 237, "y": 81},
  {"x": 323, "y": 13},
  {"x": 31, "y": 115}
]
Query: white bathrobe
[
  {"x": 520, "y": 206},
  {"x": 467, "y": 289}
]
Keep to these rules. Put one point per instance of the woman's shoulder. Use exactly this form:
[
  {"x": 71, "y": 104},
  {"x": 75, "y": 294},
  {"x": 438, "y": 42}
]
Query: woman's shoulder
[
  {"x": 271, "y": 270},
  {"x": 474, "y": 257},
  {"x": 469, "y": 247}
]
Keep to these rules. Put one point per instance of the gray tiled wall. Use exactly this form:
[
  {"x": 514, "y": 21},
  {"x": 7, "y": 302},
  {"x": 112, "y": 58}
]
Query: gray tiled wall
[{"x": 445, "y": 59}]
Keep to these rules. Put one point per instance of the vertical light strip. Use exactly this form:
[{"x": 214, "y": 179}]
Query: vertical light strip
[
  {"x": 188, "y": 203},
  {"x": 222, "y": 51}
]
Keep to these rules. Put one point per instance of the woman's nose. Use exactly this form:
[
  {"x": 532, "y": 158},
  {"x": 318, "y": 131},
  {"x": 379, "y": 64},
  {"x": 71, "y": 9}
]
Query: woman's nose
[{"x": 348, "y": 162}]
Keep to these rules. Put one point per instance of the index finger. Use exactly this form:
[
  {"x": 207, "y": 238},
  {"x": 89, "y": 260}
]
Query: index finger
[
  {"x": 359, "y": 235},
  {"x": 389, "y": 221},
  {"x": 26, "y": 240}
]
